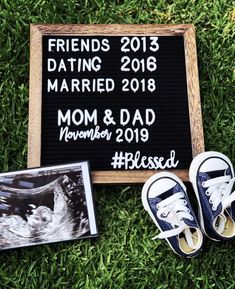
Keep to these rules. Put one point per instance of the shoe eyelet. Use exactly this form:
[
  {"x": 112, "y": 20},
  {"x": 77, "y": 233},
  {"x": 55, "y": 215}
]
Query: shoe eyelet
[
  {"x": 191, "y": 218},
  {"x": 213, "y": 208},
  {"x": 207, "y": 193},
  {"x": 185, "y": 202},
  {"x": 203, "y": 184},
  {"x": 210, "y": 201}
]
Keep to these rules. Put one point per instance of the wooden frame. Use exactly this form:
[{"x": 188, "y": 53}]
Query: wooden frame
[{"x": 35, "y": 89}]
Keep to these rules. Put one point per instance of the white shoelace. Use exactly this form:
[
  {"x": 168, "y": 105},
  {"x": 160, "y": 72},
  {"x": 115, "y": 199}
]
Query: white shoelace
[
  {"x": 219, "y": 191},
  {"x": 173, "y": 210}
]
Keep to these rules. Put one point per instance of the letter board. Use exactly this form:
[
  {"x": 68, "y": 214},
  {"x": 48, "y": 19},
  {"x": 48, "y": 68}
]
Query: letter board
[{"x": 124, "y": 97}]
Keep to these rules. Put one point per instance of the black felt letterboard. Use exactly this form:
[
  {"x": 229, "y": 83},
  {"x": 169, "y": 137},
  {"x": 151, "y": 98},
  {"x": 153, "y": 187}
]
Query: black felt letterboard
[{"x": 120, "y": 102}]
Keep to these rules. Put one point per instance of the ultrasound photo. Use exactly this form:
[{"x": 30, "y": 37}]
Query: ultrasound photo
[{"x": 46, "y": 205}]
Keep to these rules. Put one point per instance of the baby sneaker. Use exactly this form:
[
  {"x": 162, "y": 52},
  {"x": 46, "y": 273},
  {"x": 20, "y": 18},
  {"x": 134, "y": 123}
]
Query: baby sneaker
[
  {"x": 165, "y": 198},
  {"x": 212, "y": 177}
]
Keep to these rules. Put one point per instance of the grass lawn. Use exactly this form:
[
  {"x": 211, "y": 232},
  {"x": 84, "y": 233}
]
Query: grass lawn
[{"x": 124, "y": 256}]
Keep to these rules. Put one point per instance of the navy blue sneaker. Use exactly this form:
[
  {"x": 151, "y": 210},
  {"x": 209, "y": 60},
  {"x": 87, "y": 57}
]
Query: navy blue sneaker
[
  {"x": 165, "y": 198},
  {"x": 212, "y": 177}
]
